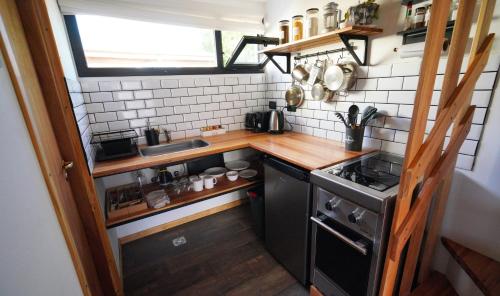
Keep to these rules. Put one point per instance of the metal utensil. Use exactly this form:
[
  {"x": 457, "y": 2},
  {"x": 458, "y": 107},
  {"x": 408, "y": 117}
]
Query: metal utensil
[
  {"x": 368, "y": 114},
  {"x": 352, "y": 116},
  {"x": 339, "y": 116},
  {"x": 294, "y": 95}
]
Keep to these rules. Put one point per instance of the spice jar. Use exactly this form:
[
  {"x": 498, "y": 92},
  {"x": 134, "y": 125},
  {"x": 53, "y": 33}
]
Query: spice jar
[
  {"x": 284, "y": 31},
  {"x": 312, "y": 21},
  {"x": 420, "y": 17},
  {"x": 298, "y": 27},
  {"x": 330, "y": 20}
]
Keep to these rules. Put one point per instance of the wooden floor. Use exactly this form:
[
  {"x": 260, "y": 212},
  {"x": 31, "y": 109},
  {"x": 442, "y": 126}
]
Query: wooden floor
[{"x": 222, "y": 256}]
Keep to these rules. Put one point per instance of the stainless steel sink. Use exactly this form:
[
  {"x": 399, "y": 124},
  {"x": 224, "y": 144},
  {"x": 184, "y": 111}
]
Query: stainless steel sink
[{"x": 173, "y": 147}]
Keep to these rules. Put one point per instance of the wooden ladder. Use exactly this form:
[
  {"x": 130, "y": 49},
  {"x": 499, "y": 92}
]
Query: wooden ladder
[{"x": 427, "y": 171}]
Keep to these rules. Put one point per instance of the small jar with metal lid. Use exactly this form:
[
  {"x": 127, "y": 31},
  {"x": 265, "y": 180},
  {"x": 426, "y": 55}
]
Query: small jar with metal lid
[
  {"x": 298, "y": 27},
  {"x": 419, "y": 20},
  {"x": 312, "y": 21},
  {"x": 330, "y": 17},
  {"x": 284, "y": 31}
]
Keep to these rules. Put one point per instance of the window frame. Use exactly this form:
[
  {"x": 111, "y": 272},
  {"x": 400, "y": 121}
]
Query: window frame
[{"x": 85, "y": 71}]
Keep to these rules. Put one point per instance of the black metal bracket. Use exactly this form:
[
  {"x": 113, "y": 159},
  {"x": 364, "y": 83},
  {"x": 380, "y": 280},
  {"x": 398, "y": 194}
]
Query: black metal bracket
[
  {"x": 245, "y": 40},
  {"x": 346, "y": 38},
  {"x": 271, "y": 55}
]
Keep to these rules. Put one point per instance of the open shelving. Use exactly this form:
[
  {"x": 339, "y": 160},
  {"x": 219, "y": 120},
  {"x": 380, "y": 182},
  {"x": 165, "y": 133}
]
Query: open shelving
[
  {"x": 343, "y": 36},
  {"x": 185, "y": 198}
]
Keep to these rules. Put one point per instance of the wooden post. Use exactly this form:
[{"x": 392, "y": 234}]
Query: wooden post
[
  {"x": 425, "y": 88},
  {"x": 483, "y": 25}
]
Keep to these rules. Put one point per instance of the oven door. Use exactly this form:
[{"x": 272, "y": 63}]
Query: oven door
[{"x": 341, "y": 255}]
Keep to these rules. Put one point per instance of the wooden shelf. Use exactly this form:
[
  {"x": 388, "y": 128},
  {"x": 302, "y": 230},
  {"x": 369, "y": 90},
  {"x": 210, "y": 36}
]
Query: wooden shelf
[
  {"x": 223, "y": 186},
  {"x": 323, "y": 39},
  {"x": 484, "y": 271}
]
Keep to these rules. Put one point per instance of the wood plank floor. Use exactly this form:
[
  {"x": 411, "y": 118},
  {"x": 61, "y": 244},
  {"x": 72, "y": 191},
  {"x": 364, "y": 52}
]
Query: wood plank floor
[{"x": 222, "y": 256}]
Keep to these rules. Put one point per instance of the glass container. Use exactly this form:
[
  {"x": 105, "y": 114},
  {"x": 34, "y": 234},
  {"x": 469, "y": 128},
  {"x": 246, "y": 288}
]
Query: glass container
[
  {"x": 312, "y": 21},
  {"x": 330, "y": 17},
  {"x": 284, "y": 31},
  {"x": 419, "y": 17},
  {"x": 298, "y": 27}
]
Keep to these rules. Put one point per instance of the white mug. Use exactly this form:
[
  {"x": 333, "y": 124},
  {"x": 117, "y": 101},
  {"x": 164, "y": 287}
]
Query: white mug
[
  {"x": 210, "y": 182},
  {"x": 197, "y": 184}
]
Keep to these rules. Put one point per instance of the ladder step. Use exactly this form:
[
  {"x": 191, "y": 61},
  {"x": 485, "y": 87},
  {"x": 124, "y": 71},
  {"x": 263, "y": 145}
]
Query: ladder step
[
  {"x": 484, "y": 271},
  {"x": 435, "y": 285}
]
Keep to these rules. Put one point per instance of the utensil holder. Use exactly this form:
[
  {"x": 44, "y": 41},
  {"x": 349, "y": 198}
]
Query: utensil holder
[
  {"x": 354, "y": 137},
  {"x": 152, "y": 137}
]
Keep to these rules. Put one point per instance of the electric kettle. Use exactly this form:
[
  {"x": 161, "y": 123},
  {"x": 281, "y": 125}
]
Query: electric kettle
[{"x": 276, "y": 122}]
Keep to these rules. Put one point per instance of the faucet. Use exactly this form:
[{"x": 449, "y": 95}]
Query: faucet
[{"x": 167, "y": 135}]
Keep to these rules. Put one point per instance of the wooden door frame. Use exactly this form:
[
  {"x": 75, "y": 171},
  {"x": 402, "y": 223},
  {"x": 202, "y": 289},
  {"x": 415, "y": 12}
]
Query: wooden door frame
[{"x": 92, "y": 256}]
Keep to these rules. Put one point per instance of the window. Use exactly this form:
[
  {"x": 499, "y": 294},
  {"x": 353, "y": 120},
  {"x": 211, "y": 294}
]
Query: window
[{"x": 108, "y": 46}]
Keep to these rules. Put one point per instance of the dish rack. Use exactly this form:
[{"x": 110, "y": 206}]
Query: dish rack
[
  {"x": 125, "y": 200},
  {"x": 114, "y": 145}
]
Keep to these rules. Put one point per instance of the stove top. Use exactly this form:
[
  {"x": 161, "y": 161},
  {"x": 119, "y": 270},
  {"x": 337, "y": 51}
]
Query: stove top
[{"x": 379, "y": 171}]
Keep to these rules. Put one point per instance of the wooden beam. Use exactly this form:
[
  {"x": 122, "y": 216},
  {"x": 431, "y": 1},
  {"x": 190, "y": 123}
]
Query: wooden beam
[
  {"x": 450, "y": 111},
  {"x": 424, "y": 198},
  {"x": 432, "y": 52},
  {"x": 483, "y": 26}
]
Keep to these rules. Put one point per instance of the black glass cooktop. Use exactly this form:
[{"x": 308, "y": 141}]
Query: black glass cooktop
[{"x": 380, "y": 171}]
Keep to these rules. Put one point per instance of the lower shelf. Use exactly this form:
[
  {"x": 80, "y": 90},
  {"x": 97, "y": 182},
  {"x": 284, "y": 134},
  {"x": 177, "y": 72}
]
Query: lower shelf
[{"x": 223, "y": 186}]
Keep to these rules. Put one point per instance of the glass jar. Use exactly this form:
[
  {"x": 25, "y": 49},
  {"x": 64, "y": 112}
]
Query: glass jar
[
  {"x": 330, "y": 20},
  {"x": 312, "y": 21},
  {"x": 284, "y": 31},
  {"x": 298, "y": 27},
  {"x": 419, "y": 17}
]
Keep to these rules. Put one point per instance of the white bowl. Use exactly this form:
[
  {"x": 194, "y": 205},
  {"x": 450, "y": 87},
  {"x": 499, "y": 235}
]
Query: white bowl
[{"x": 232, "y": 176}]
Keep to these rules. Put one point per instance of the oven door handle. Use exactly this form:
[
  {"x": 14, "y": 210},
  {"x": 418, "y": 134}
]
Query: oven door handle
[{"x": 339, "y": 235}]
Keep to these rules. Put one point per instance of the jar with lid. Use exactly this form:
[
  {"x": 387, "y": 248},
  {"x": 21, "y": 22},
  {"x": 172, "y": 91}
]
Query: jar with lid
[
  {"x": 284, "y": 31},
  {"x": 298, "y": 27},
  {"x": 419, "y": 17},
  {"x": 427, "y": 17},
  {"x": 312, "y": 21},
  {"x": 330, "y": 17}
]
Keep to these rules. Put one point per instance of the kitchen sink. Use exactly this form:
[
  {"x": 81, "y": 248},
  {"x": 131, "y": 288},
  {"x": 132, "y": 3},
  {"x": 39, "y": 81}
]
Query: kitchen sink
[{"x": 173, "y": 147}]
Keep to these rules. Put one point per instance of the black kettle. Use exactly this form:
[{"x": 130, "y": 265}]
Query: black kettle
[{"x": 276, "y": 122}]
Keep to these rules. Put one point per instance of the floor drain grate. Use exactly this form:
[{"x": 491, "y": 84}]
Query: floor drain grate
[{"x": 178, "y": 241}]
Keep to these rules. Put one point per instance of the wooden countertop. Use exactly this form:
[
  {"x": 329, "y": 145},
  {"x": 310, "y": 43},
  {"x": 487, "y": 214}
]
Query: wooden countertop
[{"x": 302, "y": 150}]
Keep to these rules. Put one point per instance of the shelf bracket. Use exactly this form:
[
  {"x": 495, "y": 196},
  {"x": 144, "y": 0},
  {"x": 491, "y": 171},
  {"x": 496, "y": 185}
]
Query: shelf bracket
[
  {"x": 271, "y": 55},
  {"x": 346, "y": 38}
]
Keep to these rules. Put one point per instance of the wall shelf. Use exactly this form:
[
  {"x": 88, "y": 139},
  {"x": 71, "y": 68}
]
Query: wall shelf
[
  {"x": 223, "y": 186},
  {"x": 419, "y": 34},
  {"x": 338, "y": 36}
]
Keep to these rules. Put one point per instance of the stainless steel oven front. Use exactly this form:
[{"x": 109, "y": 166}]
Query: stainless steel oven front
[{"x": 346, "y": 251}]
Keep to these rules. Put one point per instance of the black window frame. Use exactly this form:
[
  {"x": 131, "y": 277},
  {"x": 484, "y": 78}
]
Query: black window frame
[{"x": 85, "y": 71}]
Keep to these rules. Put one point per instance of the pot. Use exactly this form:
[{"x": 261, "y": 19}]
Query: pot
[
  {"x": 350, "y": 75},
  {"x": 295, "y": 95},
  {"x": 300, "y": 74},
  {"x": 340, "y": 77}
]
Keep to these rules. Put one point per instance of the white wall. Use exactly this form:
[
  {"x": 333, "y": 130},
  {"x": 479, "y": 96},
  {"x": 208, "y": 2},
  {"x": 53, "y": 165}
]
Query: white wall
[{"x": 34, "y": 258}]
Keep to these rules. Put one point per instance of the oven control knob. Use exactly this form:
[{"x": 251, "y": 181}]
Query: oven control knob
[
  {"x": 332, "y": 204},
  {"x": 356, "y": 216}
]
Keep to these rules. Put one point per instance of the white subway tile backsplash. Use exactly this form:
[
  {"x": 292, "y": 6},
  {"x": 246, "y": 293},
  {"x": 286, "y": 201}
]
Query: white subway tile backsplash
[
  {"x": 479, "y": 116},
  {"x": 394, "y": 147},
  {"x": 410, "y": 82},
  {"x": 216, "y": 80},
  {"x": 481, "y": 98},
  {"x": 162, "y": 93},
  {"x": 212, "y": 107},
  {"x": 146, "y": 112},
  {"x": 184, "y": 126},
  {"x": 388, "y": 109},
  {"x": 119, "y": 125},
  {"x": 169, "y": 83},
  {"x": 406, "y": 69},
  {"x": 232, "y": 97},
  {"x": 206, "y": 115},
  {"x": 136, "y": 104},
  {"x": 164, "y": 111},
  {"x": 153, "y": 103},
  {"x": 366, "y": 84},
  {"x": 199, "y": 123},
  {"x": 123, "y": 95},
  {"x": 101, "y": 97},
  {"x": 193, "y": 133},
  {"x": 94, "y": 107},
  {"x": 195, "y": 91},
  {"x": 151, "y": 84},
  {"x": 239, "y": 88},
  {"x": 405, "y": 111},
  {"x": 212, "y": 90},
  {"x": 392, "y": 83},
  {"x": 214, "y": 121},
  {"x": 131, "y": 114},
  {"x": 239, "y": 104},
  {"x": 486, "y": 80},
  {"x": 204, "y": 99},
  {"x": 231, "y": 81},
  {"x": 114, "y": 106},
  {"x": 181, "y": 109},
  {"x": 179, "y": 92},
  {"x": 131, "y": 85},
  {"x": 227, "y": 120},
  {"x": 188, "y": 100},
  {"x": 186, "y": 82},
  {"x": 178, "y": 135},
  {"x": 89, "y": 86},
  {"x": 99, "y": 127},
  {"x": 225, "y": 89},
  {"x": 376, "y": 96},
  {"x": 383, "y": 134},
  {"x": 401, "y": 97},
  {"x": 398, "y": 123},
  {"x": 175, "y": 119},
  {"x": 226, "y": 105},
  {"x": 202, "y": 81},
  {"x": 220, "y": 113},
  {"x": 197, "y": 108},
  {"x": 172, "y": 101},
  {"x": 143, "y": 94}
]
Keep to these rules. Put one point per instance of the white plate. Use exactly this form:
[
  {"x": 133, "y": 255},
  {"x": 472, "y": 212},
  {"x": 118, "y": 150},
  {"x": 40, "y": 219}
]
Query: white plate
[
  {"x": 217, "y": 172},
  {"x": 247, "y": 174},
  {"x": 237, "y": 165}
]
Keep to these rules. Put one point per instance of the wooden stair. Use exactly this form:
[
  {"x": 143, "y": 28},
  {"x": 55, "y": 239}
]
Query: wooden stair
[
  {"x": 435, "y": 285},
  {"x": 484, "y": 271}
]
